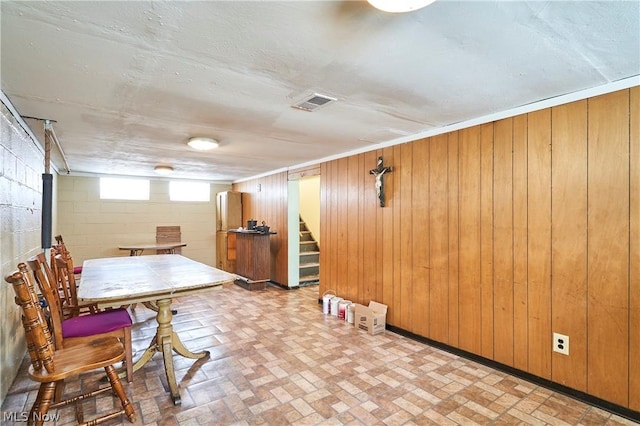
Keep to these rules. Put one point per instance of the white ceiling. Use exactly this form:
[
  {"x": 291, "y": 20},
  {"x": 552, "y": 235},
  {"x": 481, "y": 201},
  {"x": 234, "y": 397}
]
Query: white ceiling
[{"x": 128, "y": 83}]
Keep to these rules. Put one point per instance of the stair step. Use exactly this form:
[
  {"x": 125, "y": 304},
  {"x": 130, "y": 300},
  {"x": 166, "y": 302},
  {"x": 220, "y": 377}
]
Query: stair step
[
  {"x": 309, "y": 257},
  {"x": 307, "y": 246},
  {"x": 309, "y": 268}
]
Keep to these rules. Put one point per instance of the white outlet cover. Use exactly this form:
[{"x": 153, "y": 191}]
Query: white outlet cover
[{"x": 561, "y": 343}]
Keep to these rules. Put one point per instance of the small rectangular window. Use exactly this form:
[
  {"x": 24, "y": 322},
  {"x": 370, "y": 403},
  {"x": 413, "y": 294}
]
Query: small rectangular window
[
  {"x": 124, "y": 189},
  {"x": 189, "y": 191}
]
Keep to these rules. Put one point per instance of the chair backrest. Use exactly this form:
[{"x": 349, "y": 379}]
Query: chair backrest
[
  {"x": 67, "y": 287},
  {"x": 37, "y": 333},
  {"x": 61, "y": 248},
  {"x": 169, "y": 234},
  {"x": 63, "y": 292},
  {"x": 49, "y": 289}
]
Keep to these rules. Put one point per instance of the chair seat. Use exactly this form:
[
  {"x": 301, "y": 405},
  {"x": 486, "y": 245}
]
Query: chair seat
[
  {"x": 101, "y": 322},
  {"x": 78, "y": 359}
]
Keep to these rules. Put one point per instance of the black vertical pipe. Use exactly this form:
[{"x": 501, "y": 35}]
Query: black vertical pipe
[{"x": 47, "y": 189}]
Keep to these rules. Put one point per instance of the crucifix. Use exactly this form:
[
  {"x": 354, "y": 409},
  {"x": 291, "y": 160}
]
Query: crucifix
[{"x": 379, "y": 172}]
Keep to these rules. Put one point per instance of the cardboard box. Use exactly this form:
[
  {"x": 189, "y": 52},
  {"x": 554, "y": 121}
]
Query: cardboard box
[{"x": 372, "y": 318}]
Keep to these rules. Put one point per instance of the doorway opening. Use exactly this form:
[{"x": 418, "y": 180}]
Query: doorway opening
[{"x": 304, "y": 231}]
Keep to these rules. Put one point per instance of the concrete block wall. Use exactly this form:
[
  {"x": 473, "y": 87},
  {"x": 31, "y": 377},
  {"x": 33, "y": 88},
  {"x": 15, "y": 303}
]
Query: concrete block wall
[
  {"x": 94, "y": 228},
  {"x": 21, "y": 168}
]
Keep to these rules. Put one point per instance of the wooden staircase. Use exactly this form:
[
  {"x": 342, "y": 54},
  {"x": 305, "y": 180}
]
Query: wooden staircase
[{"x": 309, "y": 257}]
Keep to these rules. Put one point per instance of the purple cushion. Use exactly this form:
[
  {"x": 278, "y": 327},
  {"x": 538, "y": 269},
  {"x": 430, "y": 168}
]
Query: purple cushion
[
  {"x": 77, "y": 270},
  {"x": 102, "y": 322}
]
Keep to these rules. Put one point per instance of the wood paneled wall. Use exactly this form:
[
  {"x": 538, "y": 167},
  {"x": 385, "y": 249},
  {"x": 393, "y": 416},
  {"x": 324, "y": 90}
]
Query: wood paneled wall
[
  {"x": 495, "y": 236},
  {"x": 265, "y": 199}
]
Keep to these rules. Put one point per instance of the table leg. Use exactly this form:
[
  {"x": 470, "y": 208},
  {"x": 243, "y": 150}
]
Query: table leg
[
  {"x": 147, "y": 355},
  {"x": 167, "y": 354},
  {"x": 168, "y": 341}
]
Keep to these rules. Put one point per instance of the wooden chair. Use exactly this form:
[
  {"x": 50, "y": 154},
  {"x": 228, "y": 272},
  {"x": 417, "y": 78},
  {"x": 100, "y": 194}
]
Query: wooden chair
[
  {"x": 62, "y": 249},
  {"x": 169, "y": 234},
  {"x": 81, "y": 329},
  {"x": 51, "y": 366},
  {"x": 67, "y": 288}
]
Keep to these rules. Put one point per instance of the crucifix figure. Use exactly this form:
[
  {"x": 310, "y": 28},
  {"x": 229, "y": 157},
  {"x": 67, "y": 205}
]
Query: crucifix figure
[{"x": 379, "y": 172}]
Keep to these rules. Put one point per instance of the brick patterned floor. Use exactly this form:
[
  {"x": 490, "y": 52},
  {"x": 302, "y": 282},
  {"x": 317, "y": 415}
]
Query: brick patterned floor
[{"x": 276, "y": 359}]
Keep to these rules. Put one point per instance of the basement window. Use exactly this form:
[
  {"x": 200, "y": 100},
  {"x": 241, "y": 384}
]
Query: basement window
[
  {"x": 124, "y": 189},
  {"x": 189, "y": 191}
]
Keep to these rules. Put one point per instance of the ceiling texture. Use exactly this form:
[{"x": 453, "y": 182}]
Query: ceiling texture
[{"x": 126, "y": 83}]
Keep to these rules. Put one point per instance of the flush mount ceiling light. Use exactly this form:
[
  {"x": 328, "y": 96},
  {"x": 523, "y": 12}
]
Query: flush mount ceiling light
[
  {"x": 399, "y": 6},
  {"x": 202, "y": 144},
  {"x": 163, "y": 170}
]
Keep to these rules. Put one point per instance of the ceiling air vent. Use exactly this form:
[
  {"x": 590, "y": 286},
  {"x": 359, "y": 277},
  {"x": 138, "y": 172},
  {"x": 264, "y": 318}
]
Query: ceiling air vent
[{"x": 313, "y": 102}]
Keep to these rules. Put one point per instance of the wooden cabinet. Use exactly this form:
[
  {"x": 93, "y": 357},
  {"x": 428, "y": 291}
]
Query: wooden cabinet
[
  {"x": 253, "y": 256},
  {"x": 229, "y": 210},
  {"x": 229, "y": 216},
  {"x": 226, "y": 251}
]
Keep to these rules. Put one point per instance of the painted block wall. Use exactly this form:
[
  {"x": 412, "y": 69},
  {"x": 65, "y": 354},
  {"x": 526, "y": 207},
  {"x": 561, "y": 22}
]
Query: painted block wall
[
  {"x": 94, "y": 228},
  {"x": 21, "y": 168}
]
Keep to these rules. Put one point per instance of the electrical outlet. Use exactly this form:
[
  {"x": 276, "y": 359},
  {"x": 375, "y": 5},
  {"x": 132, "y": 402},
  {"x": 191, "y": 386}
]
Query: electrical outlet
[{"x": 561, "y": 343}]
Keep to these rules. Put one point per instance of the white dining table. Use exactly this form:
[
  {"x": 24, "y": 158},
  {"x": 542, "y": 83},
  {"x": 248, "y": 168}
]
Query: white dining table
[{"x": 154, "y": 279}]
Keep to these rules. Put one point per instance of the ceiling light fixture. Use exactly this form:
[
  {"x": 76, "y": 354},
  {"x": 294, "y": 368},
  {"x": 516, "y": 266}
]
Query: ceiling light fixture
[
  {"x": 399, "y": 6},
  {"x": 202, "y": 144},
  {"x": 163, "y": 170}
]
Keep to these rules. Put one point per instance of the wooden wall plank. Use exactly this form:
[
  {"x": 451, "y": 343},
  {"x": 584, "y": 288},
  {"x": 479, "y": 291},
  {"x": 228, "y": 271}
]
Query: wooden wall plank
[
  {"x": 281, "y": 246},
  {"x": 325, "y": 224},
  {"x": 470, "y": 332},
  {"x": 406, "y": 237},
  {"x": 520, "y": 242},
  {"x": 394, "y": 203},
  {"x": 421, "y": 231},
  {"x": 539, "y": 242},
  {"x": 438, "y": 266},
  {"x": 387, "y": 242},
  {"x": 341, "y": 246},
  {"x": 634, "y": 249},
  {"x": 332, "y": 250},
  {"x": 453, "y": 192},
  {"x": 283, "y": 267},
  {"x": 353, "y": 220},
  {"x": 366, "y": 223},
  {"x": 372, "y": 237},
  {"x": 503, "y": 236},
  {"x": 381, "y": 296},
  {"x": 608, "y": 252},
  {"x": 569, "y": 241},
  {"x": 486, "y": 239},
  {"x": 520, "y": 245}
]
